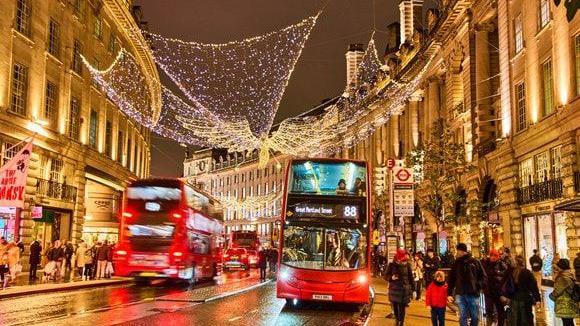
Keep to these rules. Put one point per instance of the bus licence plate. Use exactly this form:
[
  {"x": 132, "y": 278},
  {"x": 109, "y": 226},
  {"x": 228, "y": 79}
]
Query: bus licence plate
[
  {"x": 147, "y": 274},
  {"x": 321, "y": 297}
]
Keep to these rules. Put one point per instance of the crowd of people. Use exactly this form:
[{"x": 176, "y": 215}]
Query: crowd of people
[
  {"x": 510, "y": 290},
  {"x": 267, "y": 257},
  {"x": 61, "y": 258}
]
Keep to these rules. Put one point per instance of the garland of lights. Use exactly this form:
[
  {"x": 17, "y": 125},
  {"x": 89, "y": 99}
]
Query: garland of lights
[
  {"x": 250, "y": 203},
  {"x": 236, "y": 81}
]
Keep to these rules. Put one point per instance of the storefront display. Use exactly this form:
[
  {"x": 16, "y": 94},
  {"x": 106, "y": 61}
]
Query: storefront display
[
  {"x": 547, "y": 234},
  {"x": 8, "y": 223}
]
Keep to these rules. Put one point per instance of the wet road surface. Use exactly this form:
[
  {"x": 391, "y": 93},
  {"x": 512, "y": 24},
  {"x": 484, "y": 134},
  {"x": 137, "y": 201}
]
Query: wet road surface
[{"x": 50, "y": 306}]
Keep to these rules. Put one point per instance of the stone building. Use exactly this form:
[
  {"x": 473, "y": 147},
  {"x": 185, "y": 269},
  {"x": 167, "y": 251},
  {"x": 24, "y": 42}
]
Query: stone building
[
  {"x": 505, "y": 75},
  {"x": 85, "y": 149}
]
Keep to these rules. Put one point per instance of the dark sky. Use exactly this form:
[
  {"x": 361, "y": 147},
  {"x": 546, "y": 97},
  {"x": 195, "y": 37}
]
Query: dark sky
[{"x": 320, "y": 71}]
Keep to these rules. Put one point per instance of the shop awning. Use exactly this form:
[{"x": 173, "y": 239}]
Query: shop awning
[{"x": 572, "y": 205}]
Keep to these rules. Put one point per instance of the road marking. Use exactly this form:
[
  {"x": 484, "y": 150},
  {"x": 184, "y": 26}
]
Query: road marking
[{"x": 235, "y": 318}]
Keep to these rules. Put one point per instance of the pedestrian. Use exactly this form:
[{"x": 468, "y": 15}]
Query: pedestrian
[
  {"x": 262, "y": 263},
  {"x": 56, "y": 256},
  {"x": 273, "y": 260},
  {"x": 577, "y": 265},
  {"x": 521, "y": 294},
  {"x": 4, "y": 268},
  {"x": 20, "y": 246},
  {"x": 102, "y": 259},
  {"x": 35, "y": 251},
  {"x": 436, "y": 298},
  {"x": 498, "y": 272},
  {"x": 80, "y": 258},
  {"x": 68, "y": 255},
  {"x": 430, "y": 265},
  {"x": 109, "y": 268},
  {"x": 14, "y": 261},
  {"x": 565, "y": 306},
  {"x": 400, "y": 278},
  {"x": 555, "y": 260},
  {"x": 536, "y": 263},
  {"x": 94, "y": 251},
  {"x": 466, "y": 280},
  {"x": 417, "y": 266}
]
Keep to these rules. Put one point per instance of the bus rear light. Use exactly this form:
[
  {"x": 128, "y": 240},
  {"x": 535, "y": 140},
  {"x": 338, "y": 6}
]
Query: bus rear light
[
  {"x": 127, "y": 214},
  {"x": 177, "y": 254},
  {"x": 176, "y": 215},
  {"x": 121, "y": 252}
]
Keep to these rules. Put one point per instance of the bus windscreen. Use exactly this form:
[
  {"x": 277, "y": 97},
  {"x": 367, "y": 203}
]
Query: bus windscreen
[
  {"x": 324, "y": 248},
  {"x": 328, "y": 178},
  {"x": 153, "y": 198}
]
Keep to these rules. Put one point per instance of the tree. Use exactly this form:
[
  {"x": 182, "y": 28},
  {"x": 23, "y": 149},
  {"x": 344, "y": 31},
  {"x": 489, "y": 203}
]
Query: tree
[{"x": 441, "y": 162}]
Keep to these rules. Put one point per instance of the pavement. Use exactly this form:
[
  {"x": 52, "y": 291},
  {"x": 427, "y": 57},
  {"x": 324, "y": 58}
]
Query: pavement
[{"x": 418, "y": 314}]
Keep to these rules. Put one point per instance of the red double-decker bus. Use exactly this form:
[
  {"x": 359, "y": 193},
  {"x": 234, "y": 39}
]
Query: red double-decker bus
[
  {"x": 169, "y": 230},
  {"x": 325, "y": 236}
]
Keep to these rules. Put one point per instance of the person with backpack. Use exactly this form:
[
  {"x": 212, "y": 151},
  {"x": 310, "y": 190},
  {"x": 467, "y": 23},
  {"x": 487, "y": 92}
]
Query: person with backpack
[
  {"x": 466, "y": 280},
  {"x": 521, "y": 294},
  {"x": 497, "y": 271},
  {"x": 565, "y": 294},
  {"x": 400, "y": 278}
]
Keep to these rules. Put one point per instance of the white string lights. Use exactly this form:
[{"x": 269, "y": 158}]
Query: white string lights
[
  {"x": 251, "y": 203},
  {"x": 241, "y": 80}
]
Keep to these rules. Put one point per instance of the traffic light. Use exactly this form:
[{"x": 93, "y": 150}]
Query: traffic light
[{"x": 379, "y": 179}]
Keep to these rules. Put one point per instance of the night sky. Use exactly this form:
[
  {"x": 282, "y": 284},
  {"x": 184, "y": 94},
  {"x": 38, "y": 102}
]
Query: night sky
[{"x": 320, "y": 71}]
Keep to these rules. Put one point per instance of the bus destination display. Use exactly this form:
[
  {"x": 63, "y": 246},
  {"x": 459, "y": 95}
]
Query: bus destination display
[{"x": 307, "y": 211}]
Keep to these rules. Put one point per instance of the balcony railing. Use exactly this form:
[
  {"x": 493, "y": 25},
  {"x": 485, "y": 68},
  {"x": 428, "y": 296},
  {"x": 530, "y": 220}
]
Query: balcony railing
[
  {"x": 56, "y": 190},
  {"x": 577, "y": 181},
  {"x": 549, "y": 189},
  {"x": 486, "y": 148}
]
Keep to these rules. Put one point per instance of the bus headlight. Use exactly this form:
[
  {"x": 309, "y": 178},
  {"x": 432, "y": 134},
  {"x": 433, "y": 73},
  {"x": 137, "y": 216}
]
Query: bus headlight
[
  {"x": 362, "y": 279},
  {"x": 284, "y": 275}
]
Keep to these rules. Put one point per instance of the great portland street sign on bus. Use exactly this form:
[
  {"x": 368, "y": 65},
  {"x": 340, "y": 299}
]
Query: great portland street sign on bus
[{"x": 403, "y": 196}]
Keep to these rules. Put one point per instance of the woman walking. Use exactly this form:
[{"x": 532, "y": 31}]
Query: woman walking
[
  {"x": 400, "y": 279},
  {"x": 521, "y": 293},
  {"x": 80, "y": 262},
  {"x": 417, "y": 275},
  {"x": 14, "y": 261},
  {"x": 565, "y": 307}
]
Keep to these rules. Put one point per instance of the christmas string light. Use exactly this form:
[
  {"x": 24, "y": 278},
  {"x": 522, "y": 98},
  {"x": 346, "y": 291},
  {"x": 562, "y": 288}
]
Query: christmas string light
[
  {"x": 238, "y": 80},
  {"x": 250, "y": 203}
]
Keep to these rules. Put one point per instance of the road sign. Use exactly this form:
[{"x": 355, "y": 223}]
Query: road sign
[
  {"x": 391, "y": 163},
  {"x": 402, "y": 175},
  {"x": 403, "y": 196}
]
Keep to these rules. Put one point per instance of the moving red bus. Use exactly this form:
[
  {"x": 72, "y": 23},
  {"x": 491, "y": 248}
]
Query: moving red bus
[
  {"x": 169, "y": 230},
  {"x": 324, "y": 242},
  {"x": 248, "y": 240}
]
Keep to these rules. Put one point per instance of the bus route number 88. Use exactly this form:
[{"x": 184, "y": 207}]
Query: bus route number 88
[{"x": 350, "y": 211}]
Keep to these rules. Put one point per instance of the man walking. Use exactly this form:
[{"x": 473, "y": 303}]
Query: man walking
[
  {"x": 431, "y": 265},
  {"x": 262, "y": 263},
  {"x": 466, "y": 280},
  {"x": 102, "y": 258},
  {"x": 497, "y": 271}
]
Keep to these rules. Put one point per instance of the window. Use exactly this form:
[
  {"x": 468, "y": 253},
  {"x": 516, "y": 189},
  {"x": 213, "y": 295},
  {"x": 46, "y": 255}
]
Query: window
[
  {"x": 51, "y": 103},
  {"x": 519, "y": 34},
  {"x": 243, "y": 177},
  {"x": 556, "y": 156},
  {"x": 251, "y": 176},
  {"x": 544, "y": 13},
  {"x": 56, "y": 170},
  {"x": 98, "y": 28},
  {"x": 120, "y": 147},
  {"x": 78, "y": 8},
  {"x": 9, "y": 150},
  {"x": 227, "y": 181},
  {"x": 521, "y": 106},
  {"x": 23, "y": 14},
  {"x": 53, "y": 38},
  {"x": 526, "y": 173},
  {"x": 548, "y": 87},
  {"x": 265, "y": 171},
  {"x": 93, "y": 129},
  {"x": 542, "y": 167},
  {"x": 74, "y": 118},
  {"x": 77, "y": 64},
  {"x": 259, "y": 174},
  {"x": 577, "y": 52},
  {"x": 112, "y": 43},
  {"x": 129, "y": 145},
  {"x": 19, "y": 89},
  {"x": 109, "y": 139}
]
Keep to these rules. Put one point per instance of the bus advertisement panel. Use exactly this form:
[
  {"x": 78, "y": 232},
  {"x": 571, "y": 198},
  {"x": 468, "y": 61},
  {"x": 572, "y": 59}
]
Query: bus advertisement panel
[
  {"x": 169, "y": 230},
  {"x": 324, "y": 243}
]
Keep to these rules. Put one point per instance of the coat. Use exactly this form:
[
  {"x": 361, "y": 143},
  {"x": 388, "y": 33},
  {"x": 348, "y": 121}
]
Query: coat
[
  {"x": 262, "y": 258},
  {"x": 564, "y": 306},
  {"x": 80, "y": 255},
  {"x": 401, "y": 288},
  {"x": 436, "y": 295},
  {"x": 13, "y": 255},
  {"x": 466, "y": 276},
  {"x": 35, "y": 250}
]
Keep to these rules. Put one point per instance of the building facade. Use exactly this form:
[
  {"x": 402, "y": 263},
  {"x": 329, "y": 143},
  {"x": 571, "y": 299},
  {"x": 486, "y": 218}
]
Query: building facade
[
  {"x": 85, "y": 149},
  {"x": 505, "y": 76}
]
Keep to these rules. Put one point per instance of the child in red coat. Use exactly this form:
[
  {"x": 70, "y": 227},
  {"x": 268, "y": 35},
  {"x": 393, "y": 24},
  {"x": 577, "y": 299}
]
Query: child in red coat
[{"x": 436, "y": 298}]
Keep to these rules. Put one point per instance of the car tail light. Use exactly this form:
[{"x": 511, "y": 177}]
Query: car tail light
[
  {"x": 121, "y": 252},
  {"x": 226, "y": 256},
  {"x": 177, "y": 254},
  {"x": 244, "y": 256},
  {"x": 177, "y": 215},
  {"x": 127, "y": 214}
]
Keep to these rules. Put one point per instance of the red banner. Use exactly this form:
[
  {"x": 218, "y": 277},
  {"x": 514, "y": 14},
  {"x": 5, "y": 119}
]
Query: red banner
[{"x": 13, "y": 178}]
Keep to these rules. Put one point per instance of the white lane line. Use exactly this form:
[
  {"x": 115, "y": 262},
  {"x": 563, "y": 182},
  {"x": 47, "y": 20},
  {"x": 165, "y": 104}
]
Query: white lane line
[
  {"x": 234, "y": 319},
  {"x": 228, "y": 294}
]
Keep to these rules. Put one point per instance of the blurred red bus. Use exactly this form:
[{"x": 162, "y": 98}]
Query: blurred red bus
[
  {"x": 169, "y": 230},
  {"x": 324, "y": 243}
]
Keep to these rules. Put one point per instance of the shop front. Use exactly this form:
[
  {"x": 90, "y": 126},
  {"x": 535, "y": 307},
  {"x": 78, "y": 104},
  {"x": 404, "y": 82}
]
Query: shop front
[
  {"x": 51, "y": 224},
  {"x": 103, "y": 204},
  {"x": 8, "y": 225},
  {"x": 545, "y": 232}
]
